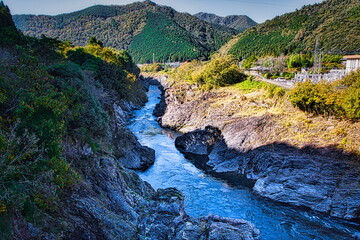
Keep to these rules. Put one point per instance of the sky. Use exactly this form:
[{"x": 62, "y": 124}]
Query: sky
[{"x": 258, "y": 10}]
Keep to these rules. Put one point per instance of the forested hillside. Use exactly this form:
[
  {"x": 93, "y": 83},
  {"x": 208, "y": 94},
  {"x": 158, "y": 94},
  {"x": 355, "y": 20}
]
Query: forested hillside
[
  {"x": 143, "y": 28},
  {"x": 336, "y": 23},
  {"x": 238, "y": 22}
]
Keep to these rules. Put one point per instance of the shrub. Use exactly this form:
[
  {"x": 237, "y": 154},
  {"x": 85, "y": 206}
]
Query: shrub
[
  {"x": 249, "y": 62},
  {"x": 275, "y": 91},
  {"x": 155, "y": 67},
  {"x": 341, "y": 98},
  {"x": 218, "y": 72}
]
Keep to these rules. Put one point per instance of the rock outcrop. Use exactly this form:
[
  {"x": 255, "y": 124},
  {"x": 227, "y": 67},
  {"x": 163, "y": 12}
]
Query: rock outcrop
[
  {"x": 321, "y": 178},
  {"x": 304, "y": 177},
  {"x": 113, "y": 203},
  {"x": 198, "y": 142}
]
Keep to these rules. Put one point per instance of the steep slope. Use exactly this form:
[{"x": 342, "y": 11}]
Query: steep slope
[
  {"x": 143, "y": 28},
  {"x": 238, "y": 22},
  {"x": 336, "y": 23}
]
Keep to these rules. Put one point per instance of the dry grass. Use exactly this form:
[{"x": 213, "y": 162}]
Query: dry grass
[{"x": 286, "y": 123}]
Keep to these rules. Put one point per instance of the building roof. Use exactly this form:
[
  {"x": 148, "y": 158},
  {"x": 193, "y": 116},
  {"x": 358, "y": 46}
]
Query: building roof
[
  {"x": 259, "y": 68},
  {"x": 351, "y": 57}
]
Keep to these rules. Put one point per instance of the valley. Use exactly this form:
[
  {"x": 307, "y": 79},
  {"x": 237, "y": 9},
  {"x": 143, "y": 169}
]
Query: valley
[{"x": 140, "y": 121}]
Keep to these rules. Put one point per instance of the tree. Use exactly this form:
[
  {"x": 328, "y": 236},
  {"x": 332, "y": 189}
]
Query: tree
[
  {"x": 299, "y": 61},
  {"x": 340, "y": 98},
  {"x": 94, "y": 41},
  {"x": 249, "y": 62}
]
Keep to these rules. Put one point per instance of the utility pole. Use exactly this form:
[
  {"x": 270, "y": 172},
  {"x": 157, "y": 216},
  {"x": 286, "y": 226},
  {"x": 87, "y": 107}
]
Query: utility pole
[
  {"x": 317, "y": 58},
  {"x": 153, "y": 58}
]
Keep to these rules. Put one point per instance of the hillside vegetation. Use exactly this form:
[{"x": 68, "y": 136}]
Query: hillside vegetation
[
  {"x": 336, "y": 23},
  {"x": 218, "y": 72},
  {"x": 340, "y": 98},
  {"x": 53, "y": 95},
  {"x": 142, "y": 28},
  {"x": 238, "y": 22}
]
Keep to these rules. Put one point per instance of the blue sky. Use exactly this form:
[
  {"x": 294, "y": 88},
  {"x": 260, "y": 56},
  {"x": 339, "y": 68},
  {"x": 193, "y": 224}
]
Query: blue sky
[{"x": 258, "y": 10}]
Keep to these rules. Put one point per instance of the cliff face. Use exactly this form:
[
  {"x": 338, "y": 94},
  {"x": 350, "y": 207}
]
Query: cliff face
[{"x": 297, "y": 171}]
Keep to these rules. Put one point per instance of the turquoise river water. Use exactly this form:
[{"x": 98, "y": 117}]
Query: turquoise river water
[{"x": 206, "y": 195}]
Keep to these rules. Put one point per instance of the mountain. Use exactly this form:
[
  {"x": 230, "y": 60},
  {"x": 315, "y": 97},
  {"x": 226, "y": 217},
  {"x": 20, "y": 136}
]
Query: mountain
[
  {"x": 336, "y": 23},
  {"x": 238, "y": 22},
  {"x": 143, "y": 28}
]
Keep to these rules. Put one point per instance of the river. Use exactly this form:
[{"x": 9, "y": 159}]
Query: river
[{"x": 206, "y": 195}]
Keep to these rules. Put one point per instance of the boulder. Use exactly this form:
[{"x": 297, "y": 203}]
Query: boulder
[{"x": 199, "y": 142}]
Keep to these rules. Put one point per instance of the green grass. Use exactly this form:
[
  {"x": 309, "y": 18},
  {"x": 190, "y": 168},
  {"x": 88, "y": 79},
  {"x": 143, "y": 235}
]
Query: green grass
[{"x": 249, "y": 85}]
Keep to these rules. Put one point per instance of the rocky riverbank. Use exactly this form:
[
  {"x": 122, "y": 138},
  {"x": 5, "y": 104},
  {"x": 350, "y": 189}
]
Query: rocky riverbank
[
  {"x": 112, "y": 202},
  {"x": 244, "y": 144}
]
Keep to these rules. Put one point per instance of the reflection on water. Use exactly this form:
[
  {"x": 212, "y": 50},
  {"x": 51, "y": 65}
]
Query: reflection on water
[{"x": 206, "y": 195}]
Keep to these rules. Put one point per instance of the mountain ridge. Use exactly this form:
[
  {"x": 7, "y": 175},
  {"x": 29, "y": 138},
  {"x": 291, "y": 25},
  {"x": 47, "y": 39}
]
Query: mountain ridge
[
  {"x": 334, "y": 22},
  {"x": 183, "y": 36},
  {"x": 238, "y": 22}
]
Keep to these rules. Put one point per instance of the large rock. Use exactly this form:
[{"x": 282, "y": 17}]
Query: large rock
[
  {"x": 198, "y": 142},
  {"x": 125, "y": 146},
  {"x": 166, "y": 219}
]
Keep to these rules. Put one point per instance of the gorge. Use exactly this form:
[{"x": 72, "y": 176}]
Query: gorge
[
  {"x": 206, "y": 194},
  {"x": 95, "y": 145}
]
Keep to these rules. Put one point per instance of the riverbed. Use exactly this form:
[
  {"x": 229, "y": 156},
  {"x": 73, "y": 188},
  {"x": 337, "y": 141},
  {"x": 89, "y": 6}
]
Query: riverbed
[{"x": 205, "y": 194}]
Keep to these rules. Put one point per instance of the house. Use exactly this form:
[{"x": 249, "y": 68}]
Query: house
[
  {"x": 352, "y": 62},
  {"x": 333, "y": 75}
]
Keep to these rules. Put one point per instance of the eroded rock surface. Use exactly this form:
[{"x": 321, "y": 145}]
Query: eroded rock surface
[
  {"x": 304, "y": 177},
  {"x": 198, "y": 142}
]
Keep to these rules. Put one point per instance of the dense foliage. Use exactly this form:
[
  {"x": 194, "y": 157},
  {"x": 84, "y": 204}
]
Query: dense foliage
[
  {"x": 218, "y": 72},
  {"x": 8, "y": 34},
  {"x": 299, "y": 61},
  {"x": 52, "y": 94},
  {"x": 143, "y": 28},
  {"x": 167, "y": 39},
  {"x": 340, "y": 98},
  {"x": 334, "y": 22},
  {"x": 152, "y": 68}
]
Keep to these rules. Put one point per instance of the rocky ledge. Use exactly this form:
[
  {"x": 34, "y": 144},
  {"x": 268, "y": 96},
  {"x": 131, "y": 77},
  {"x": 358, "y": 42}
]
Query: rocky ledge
[{"x": 306, "y": 177}]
